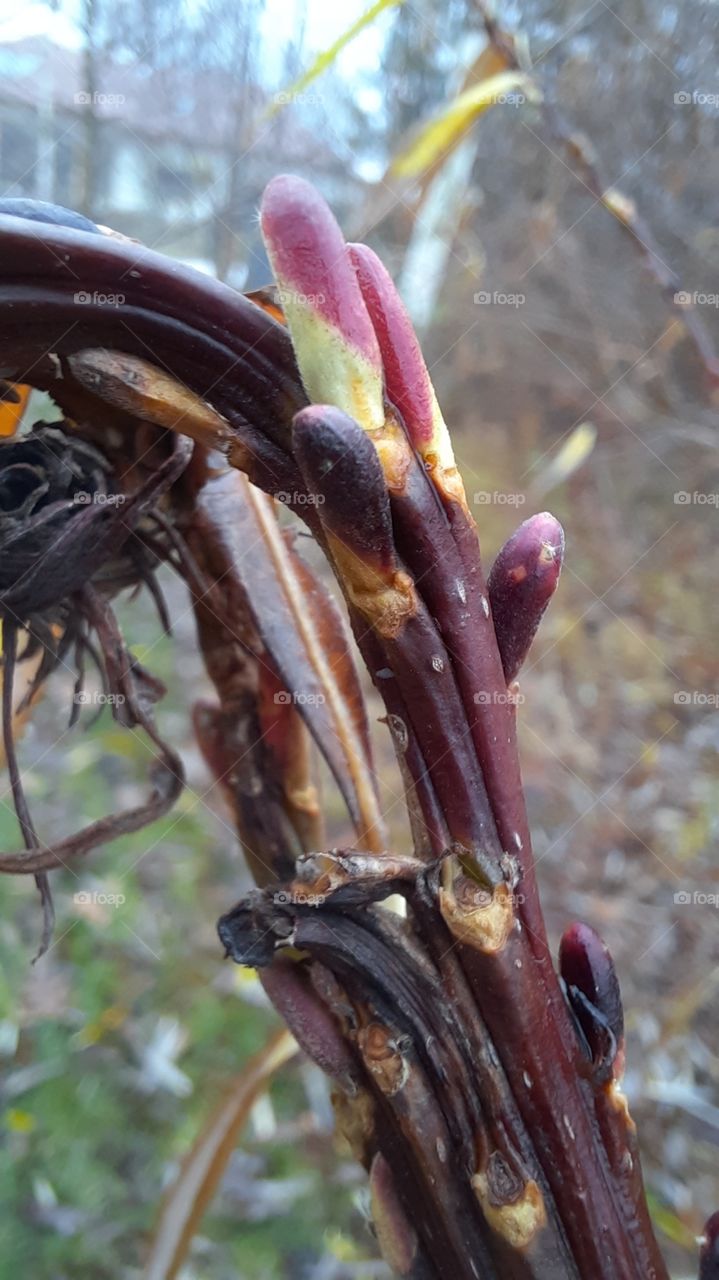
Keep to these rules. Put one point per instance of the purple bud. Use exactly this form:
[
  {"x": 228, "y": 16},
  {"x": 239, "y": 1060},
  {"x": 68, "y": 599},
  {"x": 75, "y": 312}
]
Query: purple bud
[
  {"x": 310, "y": 1021},
  {"x": 521, "y": 583},
  {"x": 593, "y": 991},
  {"x": 343, "y": 472}
]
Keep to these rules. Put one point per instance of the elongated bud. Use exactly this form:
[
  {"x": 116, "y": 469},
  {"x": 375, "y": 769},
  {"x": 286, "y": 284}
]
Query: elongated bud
[
  {"x": 310, "y": 1021},
  {"x": 343, "y": 471},
  {"x": 593, "y": 991},
  {"x": 397, "y": 1238},
  {"x": 521, "y": 583},
  {"x": 407, "y": 382},
  {"x": 709, "y": 1252},
  {"x": 332, "y": 334}
]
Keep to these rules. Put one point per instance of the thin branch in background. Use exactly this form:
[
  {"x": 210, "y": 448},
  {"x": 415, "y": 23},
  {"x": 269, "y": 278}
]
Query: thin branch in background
[
  {"x": 581, "y": 159},
  {"x": 29, "y": 834}
]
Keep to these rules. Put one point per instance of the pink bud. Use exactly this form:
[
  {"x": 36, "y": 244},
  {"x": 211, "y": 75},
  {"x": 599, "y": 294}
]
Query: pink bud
[
  {"x": 407, "y": 382},
  {"x": 332, "y": 334}
]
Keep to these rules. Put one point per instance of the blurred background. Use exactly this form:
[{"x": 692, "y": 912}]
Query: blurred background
[{"x": 558, "y": 248}]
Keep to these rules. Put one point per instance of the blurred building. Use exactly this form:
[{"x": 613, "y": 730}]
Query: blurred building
[{"x": 160, "y": 154}]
